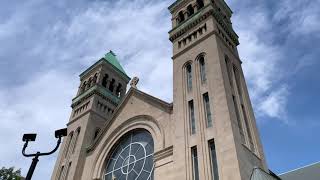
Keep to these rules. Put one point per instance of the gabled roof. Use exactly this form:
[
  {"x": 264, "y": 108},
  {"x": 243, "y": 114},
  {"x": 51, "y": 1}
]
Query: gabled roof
[
  {"x": 165, "y": 106},
  {"x": 112, "y": 59},
  {"x": 260, "y": 174},
  {"x": 310, "y": 172}
]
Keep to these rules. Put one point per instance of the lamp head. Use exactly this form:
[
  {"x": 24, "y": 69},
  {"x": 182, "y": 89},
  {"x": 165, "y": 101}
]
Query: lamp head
[
  {"x": 29, "y": 137},
  {"x": 61, "y": 133}
]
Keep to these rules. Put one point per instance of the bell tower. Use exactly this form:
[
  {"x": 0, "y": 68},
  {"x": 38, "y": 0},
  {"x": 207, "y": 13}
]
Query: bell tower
[
  {"x": 216, "y": 137},
  {"x": 102, "y": 86}
]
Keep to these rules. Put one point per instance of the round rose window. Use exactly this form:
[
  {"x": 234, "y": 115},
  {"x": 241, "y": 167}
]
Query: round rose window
[{"x": 132, "y": 158}]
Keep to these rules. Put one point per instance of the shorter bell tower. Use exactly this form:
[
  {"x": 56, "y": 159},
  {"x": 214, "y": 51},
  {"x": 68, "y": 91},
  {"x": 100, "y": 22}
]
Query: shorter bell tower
[{"x": 102, "y": 86}]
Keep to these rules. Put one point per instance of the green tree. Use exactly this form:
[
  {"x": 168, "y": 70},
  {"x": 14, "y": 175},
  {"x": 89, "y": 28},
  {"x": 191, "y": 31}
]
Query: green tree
[{"x": 10, "y": 174}]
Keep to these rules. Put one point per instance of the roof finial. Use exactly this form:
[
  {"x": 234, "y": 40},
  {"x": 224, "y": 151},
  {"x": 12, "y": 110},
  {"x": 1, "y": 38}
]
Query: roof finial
[{"x": 112, "y": 53}]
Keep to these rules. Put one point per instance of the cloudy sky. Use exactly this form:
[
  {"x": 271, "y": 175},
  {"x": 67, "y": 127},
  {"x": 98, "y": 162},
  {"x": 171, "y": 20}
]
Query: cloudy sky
[{"x": 44, "y": 45}]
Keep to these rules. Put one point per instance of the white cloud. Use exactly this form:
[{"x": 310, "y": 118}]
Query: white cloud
[
  {"x": 37, "y": 106},
  {"x": 303, "y": 16},
  {"x": 273, "y": 105},
  {"x": 261, "y": 62},
  {"x": 135, "y": 30}
]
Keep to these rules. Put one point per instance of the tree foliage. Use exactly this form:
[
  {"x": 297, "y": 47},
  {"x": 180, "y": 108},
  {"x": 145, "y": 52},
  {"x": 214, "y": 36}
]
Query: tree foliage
[{"x": 10, "y": 174}]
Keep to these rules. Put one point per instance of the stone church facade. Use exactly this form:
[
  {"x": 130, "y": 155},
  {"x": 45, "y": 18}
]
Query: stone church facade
[{"x": 208, "y": 132}]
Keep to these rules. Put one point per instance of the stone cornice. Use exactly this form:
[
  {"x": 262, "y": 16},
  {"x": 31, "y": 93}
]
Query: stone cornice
[
  {"x": 98, "y": 90},
  {"x": 225, "y": 6},
  {"x": 173, "y": 6},
  {"x": 199, "y": 17},
  {"x": 200, "y": 40}
]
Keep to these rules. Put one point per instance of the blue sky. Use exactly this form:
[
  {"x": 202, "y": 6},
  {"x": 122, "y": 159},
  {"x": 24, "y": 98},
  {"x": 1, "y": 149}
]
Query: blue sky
[{"x": 46, "y": 44}]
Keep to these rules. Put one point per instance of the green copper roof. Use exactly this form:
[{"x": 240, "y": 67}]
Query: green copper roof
[{"x": 112, "y": 59}]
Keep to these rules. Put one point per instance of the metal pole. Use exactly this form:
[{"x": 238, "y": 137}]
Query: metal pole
[
  {"x": 31, "y": 137},
  {"x": 35, "y": 160}
]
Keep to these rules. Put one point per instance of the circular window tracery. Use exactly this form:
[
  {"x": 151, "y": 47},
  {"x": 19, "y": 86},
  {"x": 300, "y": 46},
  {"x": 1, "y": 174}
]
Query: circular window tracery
[{"x": 132, "y": 158}]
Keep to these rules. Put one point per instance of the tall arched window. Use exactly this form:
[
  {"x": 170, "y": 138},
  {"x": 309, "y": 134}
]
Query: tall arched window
[
  {"x": 132, "y": 157},
  {"x": 190, "y": 10},
  {"x": 189, "y": 77},
  {"x": 76, "y": 140},
  {"x": 202, "y": 69},
  {"x": 67, "y": 147}
]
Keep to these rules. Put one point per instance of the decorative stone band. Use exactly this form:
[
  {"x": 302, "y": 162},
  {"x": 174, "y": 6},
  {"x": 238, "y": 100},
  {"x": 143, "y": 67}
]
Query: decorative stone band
[
  {"x": 163, "y": 153},
  {"x": 98, "y": 90},
  {"x": 200, "y": 16}
]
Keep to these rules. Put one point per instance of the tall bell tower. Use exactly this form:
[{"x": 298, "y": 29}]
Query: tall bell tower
[
  {"x": 216, "y": 136},
  {"x": 102, "y": 86}
]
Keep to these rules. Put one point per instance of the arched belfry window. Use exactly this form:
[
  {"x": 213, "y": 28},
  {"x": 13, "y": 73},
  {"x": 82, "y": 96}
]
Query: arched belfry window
[
  {"x": 200, "y": 4},
  {"x": 190, "y": 10},
  {"x": 132, "y": 157},
  {"x": 189, "y": 77},
  {"x": 118, "y": 90},
  {"x": 111, "y": 85},
  {"x": 181, "y": 17},
  {"x": 105, "y": 80},
  {"x": 83, "y": 87}
]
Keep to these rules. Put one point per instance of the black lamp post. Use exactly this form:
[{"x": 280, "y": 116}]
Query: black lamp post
[{"x": 32, "y": 137}]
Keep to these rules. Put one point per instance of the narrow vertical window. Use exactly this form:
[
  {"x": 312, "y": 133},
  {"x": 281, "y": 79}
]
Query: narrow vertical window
[
  {"x": 189, "y": 77},
  {"x": 207, "y": 110},
  {"x": 60, "y": 174},
  {"x": 68, "y": 144},
  {"x": 237, "y": 78},
  {"x": 75, "y": 141},
  {"x": 194, "y": 158},
  {"x": 228, "y": 71},
  {"x": 192, "y": 118},
  {"x": 67, "y": 174},
  {"x": 203, "y": 70},
  {"x": 214, "y": 163},
  {"x": 238, "y": 118},
  {"x": 248, "y": 127}
]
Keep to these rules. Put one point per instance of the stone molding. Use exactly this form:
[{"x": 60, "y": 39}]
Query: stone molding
[
  {"x": 199, "y": 17},
  {"x": 163, "y": 153}
]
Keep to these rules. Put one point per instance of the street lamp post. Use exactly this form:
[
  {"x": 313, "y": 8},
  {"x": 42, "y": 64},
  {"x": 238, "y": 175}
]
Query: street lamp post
[{"x": 32, "y": 137}]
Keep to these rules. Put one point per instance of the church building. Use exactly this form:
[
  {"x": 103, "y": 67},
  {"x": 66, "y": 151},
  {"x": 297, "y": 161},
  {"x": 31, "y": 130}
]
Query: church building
[{"x": 208, "y": 132}]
